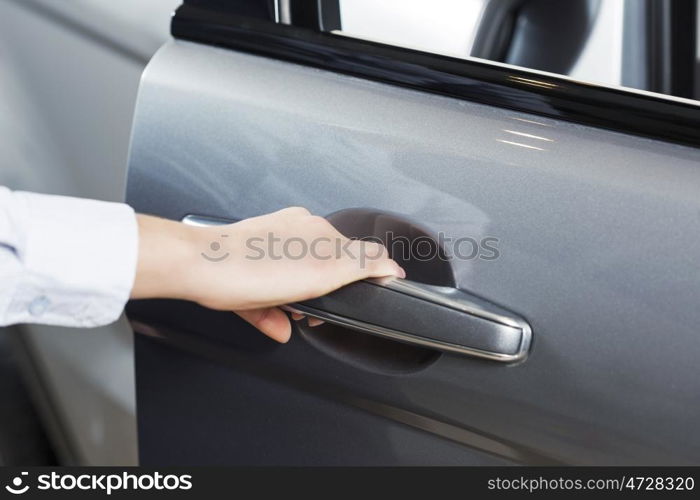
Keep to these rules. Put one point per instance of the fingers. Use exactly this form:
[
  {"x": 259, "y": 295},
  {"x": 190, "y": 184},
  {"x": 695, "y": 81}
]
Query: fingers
[
  {"x": 371, "y": 260},
  {"x": 267, "y": 322},
  {"x": 271, "y": 321}
]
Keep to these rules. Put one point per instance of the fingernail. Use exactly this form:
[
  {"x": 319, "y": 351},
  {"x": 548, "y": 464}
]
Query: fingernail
[{"x": 402, "y": 272}]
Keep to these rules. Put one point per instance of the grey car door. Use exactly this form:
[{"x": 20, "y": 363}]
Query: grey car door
[{"x": 572, "y": 207}]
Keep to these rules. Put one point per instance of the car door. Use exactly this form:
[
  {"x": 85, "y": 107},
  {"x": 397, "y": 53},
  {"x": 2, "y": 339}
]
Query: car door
[{"x": 559, "y": 224}]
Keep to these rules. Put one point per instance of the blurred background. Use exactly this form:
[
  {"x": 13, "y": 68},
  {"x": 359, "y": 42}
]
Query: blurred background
[{"x": 69, "y": 75}]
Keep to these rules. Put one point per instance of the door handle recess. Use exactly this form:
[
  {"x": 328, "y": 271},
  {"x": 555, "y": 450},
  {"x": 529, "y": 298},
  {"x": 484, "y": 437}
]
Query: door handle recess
[{"x": 436, "y": 317}]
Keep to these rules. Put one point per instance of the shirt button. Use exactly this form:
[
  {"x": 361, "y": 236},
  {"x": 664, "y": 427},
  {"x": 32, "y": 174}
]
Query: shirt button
[{"x": 39, "y": 305}]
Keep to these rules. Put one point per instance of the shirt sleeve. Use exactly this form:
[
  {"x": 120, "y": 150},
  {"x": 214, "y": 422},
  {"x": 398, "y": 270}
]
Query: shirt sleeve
[{"x": 64, "y": 261}]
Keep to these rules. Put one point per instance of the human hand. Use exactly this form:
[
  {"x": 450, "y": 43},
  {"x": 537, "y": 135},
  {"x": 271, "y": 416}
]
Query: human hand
[{"x": 255, "y": 265}]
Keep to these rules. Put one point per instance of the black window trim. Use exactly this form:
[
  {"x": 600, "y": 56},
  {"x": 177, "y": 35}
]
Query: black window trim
[{"x": 624, "y": 110}]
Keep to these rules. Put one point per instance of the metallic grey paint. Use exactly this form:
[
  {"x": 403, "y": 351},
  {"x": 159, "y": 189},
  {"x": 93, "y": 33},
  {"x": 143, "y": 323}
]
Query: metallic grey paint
[{"x": 598, "y": 239}]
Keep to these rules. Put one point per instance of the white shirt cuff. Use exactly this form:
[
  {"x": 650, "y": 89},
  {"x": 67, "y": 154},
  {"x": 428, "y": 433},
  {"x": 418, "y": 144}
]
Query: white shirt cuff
[{"x": 77, "y": 260}]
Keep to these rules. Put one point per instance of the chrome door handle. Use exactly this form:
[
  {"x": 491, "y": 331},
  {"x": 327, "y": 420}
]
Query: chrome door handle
[{"x": 436, "y": 317}]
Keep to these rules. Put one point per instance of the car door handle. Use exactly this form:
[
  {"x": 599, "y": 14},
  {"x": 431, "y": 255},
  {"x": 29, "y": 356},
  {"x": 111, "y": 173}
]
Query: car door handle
[{"x": 436, "y": 317}]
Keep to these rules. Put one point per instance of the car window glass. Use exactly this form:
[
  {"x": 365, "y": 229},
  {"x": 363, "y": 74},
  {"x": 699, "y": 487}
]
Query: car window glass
[{"x": 644, "y": 44}]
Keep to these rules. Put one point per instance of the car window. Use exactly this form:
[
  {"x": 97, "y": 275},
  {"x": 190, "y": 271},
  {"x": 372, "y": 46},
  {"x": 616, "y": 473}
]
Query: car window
[
  {"x": 644, "y": 44},
  {"x": 447, "y": 27}
]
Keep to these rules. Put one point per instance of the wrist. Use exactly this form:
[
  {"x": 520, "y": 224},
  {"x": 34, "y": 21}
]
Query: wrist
[{"x": 166, "y": 256}]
